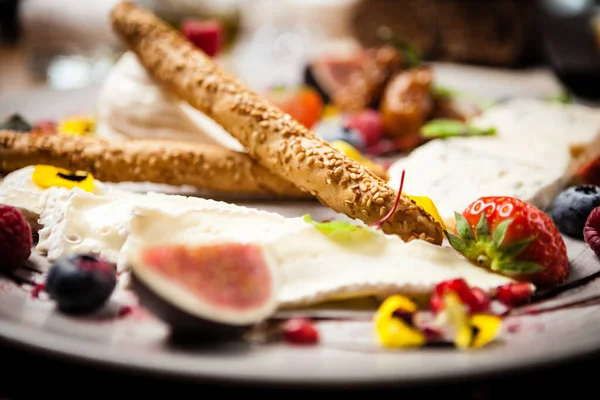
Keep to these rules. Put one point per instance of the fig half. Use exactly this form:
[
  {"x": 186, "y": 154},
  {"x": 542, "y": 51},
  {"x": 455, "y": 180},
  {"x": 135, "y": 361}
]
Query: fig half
[{"x": 208, "y": 291}]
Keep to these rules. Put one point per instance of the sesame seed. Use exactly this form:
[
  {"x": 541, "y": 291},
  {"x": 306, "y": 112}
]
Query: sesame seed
[{"x": 382, "y": 211}]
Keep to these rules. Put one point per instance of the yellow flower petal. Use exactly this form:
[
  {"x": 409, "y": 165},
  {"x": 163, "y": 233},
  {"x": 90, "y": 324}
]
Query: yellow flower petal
[
  {"x": 330, "y": 111},
  {"x": 46, "y": 176},
  {"x": 429, "y": 206},
  {"x": 76, "y": 126},
  {"x": 348, "y": 149},
  {"x": 393, "y": 332},
  {"x": 488, "y": 328},
  {"x": 457, "y": 316}
]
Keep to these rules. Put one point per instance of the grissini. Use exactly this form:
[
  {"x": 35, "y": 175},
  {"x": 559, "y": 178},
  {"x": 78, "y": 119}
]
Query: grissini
[
  {"x": 273, "y": 139},
  {"x": 178, "y": 163}
]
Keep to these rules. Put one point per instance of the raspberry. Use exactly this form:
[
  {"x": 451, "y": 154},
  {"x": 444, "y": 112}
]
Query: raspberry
[
  {"x": 300, "y": 331},
  {"x": 591, "y": 231},
  {"x": 15, "y": 239},
  {"x": 514, "y": 294}
]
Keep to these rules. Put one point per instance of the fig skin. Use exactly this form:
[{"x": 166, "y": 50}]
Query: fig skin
[{"x": 184, "y": 327}]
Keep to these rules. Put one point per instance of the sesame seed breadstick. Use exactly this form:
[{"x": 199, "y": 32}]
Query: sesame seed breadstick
[
  {"x": 178, "y": 163},
  {"x": 273, "y": 139}
]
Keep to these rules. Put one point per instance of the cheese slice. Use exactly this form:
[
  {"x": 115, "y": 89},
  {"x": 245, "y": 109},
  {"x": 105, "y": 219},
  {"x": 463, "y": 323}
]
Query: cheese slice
[
  {"x": 537, "y": 148},
  {"x": 313, "y": 268}
]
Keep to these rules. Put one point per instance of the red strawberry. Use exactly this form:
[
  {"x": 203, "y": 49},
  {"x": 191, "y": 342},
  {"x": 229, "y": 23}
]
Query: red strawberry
[
  {"x": 206, "y": 35},
  {"x": 512, "y": 237}
]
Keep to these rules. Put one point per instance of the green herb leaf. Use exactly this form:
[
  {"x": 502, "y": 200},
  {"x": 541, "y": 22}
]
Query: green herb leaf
[
  {"x": 411, "y": 54},
  {"x": 517, "y": 267},
  {"x": 340, "y": 230},
  {"x": 500, "y": 232},
  {"x": 463, "y": 227},
  {"x": 482, "y": 230},
  {"x": 445, "y": 128},
  {"x": 456, "y": 242},
  {"x": 563, "y": 98},
  {"x": 16, "y": 123},
  {"x": 442, "y": 91},
  {"x": 513, "y": 249}
]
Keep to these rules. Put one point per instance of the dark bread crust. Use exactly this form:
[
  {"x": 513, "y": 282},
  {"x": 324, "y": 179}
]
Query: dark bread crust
[{"x": 273, "y": 139}]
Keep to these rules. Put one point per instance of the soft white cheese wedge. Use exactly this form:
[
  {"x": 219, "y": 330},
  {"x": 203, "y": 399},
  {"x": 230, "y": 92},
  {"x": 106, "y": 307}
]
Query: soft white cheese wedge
[
  {"x": 75, "y": 221},
  {"x": 313, "y": 267},
  {"x": 536, "y": 150}
]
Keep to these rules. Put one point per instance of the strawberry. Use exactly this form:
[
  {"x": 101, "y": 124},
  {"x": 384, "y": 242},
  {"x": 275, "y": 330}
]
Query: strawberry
[{"x": 511, "y": 237}]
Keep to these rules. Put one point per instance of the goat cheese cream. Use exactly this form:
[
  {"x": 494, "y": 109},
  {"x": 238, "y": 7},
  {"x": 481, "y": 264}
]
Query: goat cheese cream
[{"x": 132, "y": 105}]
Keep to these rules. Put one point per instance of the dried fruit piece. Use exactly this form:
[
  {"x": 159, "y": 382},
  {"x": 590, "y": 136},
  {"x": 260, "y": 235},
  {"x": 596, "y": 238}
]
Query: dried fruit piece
[{"x": 209, "y": 291}]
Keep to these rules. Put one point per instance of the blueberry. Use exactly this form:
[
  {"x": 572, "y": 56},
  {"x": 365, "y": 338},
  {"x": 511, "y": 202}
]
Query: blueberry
[
  {"x": 572, "y": 207},
  {"x": 80, "y": 284},
  {"x": 333, "y": 129}
]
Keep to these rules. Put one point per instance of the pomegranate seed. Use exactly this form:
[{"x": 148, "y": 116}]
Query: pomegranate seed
[
  {"x": 482, "y": 300},
  {"x": 514, "y": 294},
  {"x": 300, "y": 331},
  {"x": 436, "y": 303}
]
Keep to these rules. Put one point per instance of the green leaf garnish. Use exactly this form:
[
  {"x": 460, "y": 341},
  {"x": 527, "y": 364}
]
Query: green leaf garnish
[
  {"x": 411, "y": 54},
  {"x": 564, "y": 98},
  {"x": 445, "y": 128},
  {"x": 446, "y": 92},
  {"x": 340, "y": 230}
]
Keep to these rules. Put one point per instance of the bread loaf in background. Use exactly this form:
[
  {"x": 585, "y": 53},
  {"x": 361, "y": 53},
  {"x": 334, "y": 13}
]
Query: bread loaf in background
[{"x": 491, "y": 32}]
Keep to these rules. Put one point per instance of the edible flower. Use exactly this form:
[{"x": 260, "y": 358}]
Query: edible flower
[
  {"x": 393, "y": 324},
  {"x": 77, "y": 126},
  {"x": 467, "y": 330},
  {"x": 46, "y": 176},
  {"x": 355, "y": 154},
  {"x": 429, "y": 206}
]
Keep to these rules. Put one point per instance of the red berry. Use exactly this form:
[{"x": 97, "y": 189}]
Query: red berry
[
  {"x": 15, "y": 239},
  {"x": 206, "y": 35},
  {"x": 514, "y": 294},
  {"x": 482, "y": 300},
  {"x": 591, "y": 231},
  {"x": 300, "y": 331},
  {"x": 474, "y": 298},
  {"x": 369, "y": 124},
  {"x": 436, "y": 304}
]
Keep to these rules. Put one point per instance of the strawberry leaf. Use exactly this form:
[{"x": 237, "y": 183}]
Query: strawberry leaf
[
  {"x": 463, "y": 227},
  {"x": 517, "y": 267},
  {"x": 458, "y": 243},
  {"x": 500, "y": 232},
  {"x": 482, "y": 231},
  {"x": 513, "y": 249}
]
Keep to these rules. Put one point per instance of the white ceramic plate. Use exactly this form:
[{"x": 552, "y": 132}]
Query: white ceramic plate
[{"x": 347, "y": 354}]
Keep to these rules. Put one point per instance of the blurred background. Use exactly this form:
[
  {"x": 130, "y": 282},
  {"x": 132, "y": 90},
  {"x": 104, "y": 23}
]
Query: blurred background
[{"x": 66, "y": 44}]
